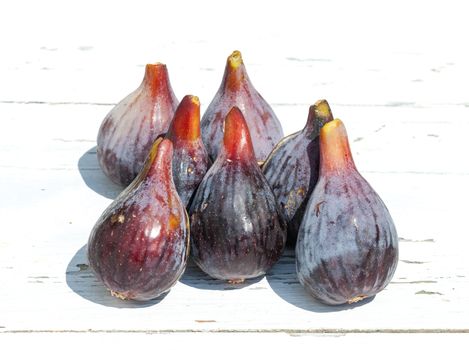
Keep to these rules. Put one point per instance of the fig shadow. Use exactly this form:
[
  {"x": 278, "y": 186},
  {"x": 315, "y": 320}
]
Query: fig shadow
[
  {"x": 284, "y": 282},
  {"x": 194, "y": 277},
  {"x": 94, "y": 177},
  {"x": 81, "y": 280}
]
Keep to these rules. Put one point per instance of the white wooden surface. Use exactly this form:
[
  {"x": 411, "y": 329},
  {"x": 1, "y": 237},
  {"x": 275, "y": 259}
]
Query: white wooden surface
[{"x": 395, "y": 73}]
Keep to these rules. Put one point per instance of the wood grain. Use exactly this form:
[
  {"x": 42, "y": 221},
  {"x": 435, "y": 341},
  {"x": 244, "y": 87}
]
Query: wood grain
[{"x": 401, "y": 91}]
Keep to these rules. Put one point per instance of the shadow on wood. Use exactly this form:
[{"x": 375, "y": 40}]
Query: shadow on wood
[
  {"x": 83, "y": 282},
  {"x": 284, "y": 282},
  {"x": 94, "y": 177},
  {"x": 195, "y": 277}
]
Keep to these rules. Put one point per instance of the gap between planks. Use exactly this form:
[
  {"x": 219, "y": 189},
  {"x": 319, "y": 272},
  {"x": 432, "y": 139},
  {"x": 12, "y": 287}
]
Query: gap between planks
[{"x": 278, "y": 330}]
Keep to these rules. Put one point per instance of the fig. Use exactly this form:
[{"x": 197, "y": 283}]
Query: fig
[
  {"x": 292, "y": 168},
  {"x": 190, "y": 157},
  {"x": 237, "y": 229},
  {"x": 139, "y": 246},
  {"x": 237, "y": 90},
  {"x": 347, "y": 247},
  {"x": 130, "y": 128}
]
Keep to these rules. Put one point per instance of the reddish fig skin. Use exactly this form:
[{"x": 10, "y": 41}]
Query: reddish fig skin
[
  {"x": 130, "y": 128},
  {"x": 237, "y": 229},
  {"x": 292, "y": 168},
  {"x": 347, "y": 247},
  {"x": 190, "y": 157},
  {"x": 140, "y": 244},
  {"x": 237, "y": 90}
]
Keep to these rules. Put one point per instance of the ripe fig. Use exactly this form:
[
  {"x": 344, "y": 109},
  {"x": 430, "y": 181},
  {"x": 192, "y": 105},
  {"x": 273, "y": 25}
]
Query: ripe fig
[
  {"x": 130, "y": 128},
  {"x": 347, "y": 247},
  {"x": 237, "y": 229},
  {"x": 190, "y": 158},
  {"x": 140, "y": 244},
  {"x": 237, "y": 90},
  {"x": 292, "y": 168}
]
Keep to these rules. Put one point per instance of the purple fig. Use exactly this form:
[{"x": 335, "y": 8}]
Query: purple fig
[
  {"x": 292, "y": 168},
  {"x": 190, "y": 158},
  {"x": 130, "y": 128},
  {"x": 140, "y": 244},
  {"x": 347, "y": 247},
  {"x": 237, "y": 229},
  {"x": 237, "y": 90}
]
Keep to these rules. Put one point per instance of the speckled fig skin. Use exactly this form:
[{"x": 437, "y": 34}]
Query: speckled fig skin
[
  {"x": 237, "y": 90},
  {"x": 140, "y": 244},
  {"x": 347, "y": 247},
  {"x": 130, "y": 128},
  {"x": 292, "y": 168},
  {"x": 237, "y": 229},
  {"x": 190, "y": 157}
]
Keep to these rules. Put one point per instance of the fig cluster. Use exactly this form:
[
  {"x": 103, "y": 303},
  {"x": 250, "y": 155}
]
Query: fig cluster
[{"x": 232, "y": 192}]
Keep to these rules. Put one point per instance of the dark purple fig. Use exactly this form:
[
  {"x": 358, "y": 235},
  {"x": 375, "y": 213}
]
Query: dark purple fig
[
  {"x": 237, "y": 90},
  {"x": 237, "y": 229},
  {"x": 190, "y": 158},
  {"x": 292, "y": 168},
  {"x": 130, "y": 128},
  {"x": 139, "y": 246},
  {"x": 347, "y": 247}
]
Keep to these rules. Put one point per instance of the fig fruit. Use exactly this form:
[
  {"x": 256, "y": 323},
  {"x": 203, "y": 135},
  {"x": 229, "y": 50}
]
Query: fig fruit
[
  {"x": 237, "y": 90},
  {"x": 140, "y": 244},
  {"x": 130, "y": 128},
  {"x": 347, "y": 247},
  {"x": 292, "y": 168},
  {"x": 190, "y": 158},
  {"x": 237, "y": 229}
]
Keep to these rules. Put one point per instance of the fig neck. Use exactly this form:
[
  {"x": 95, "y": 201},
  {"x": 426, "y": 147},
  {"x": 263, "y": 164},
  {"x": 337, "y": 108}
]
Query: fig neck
[
  {"x": 237, "y": 144},
  {"x": 185, "y": 126},
  {"x": 335, "y": 154},
  {"x": 235, "y": 76},
  {"x": 156, "y": 80}
]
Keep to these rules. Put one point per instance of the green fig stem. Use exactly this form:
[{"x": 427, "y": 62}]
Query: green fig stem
[
  {"x": 156, "y": 78},
  {"x": 319, "y": 114},
  {"x": 237, "y": 139},
  {"x": 235, "y": 72},
  {"x": 185, "y": 125},
  {"x": 335, "y": 153}
]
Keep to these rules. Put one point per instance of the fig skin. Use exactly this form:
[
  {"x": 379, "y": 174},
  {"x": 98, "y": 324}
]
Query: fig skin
[
  {"x": 130, "y": 128},
  {"x": 292, "y": 168},
  {"x": 236, "y": 89},
  {"x": 347, "y": 247},
  {"x": 139, "y": 246},
  {"x": 190, "y": 157},
  {"x": 237, "y": 229}
]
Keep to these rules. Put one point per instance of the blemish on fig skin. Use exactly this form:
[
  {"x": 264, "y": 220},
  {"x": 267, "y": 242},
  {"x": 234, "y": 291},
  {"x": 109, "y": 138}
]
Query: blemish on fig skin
[{"x": 317, "y": 209}]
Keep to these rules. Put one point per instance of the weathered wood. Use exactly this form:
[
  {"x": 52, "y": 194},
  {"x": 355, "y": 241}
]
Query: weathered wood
[
  {"x": 53, "y": 191},
  {"x": 394, "y": 73}
]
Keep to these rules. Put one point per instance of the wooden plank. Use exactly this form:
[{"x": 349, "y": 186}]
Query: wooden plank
[
  {"x": 233, "y": 340},
  {"x": 53, "y": 191}
]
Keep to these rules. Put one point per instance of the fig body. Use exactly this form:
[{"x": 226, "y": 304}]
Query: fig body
[
  {"x": 139, "y": 246},
  {"x": 237, "y": 230},
  {"x": 347, "y": 247},
  {"x": 237, "y": 90},
  {"x": 190, "y": 157},
  {"x": 292, "y": 168},
  {"x": 130, "y": 128}
]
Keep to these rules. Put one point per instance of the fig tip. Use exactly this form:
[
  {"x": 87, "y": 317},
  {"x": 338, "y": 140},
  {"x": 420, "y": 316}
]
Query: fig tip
[
  {"x": 235, "y": 59},
  {"x": 322, "y": 109},
  {"x": 194, "y": 99},
  {"x": 332, "y": 125}
]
